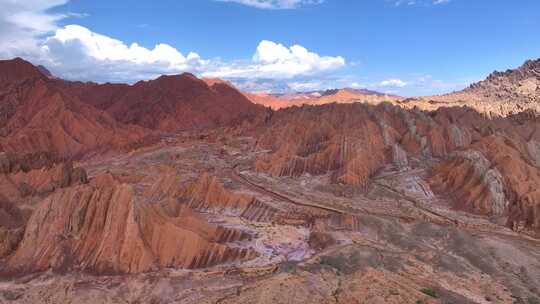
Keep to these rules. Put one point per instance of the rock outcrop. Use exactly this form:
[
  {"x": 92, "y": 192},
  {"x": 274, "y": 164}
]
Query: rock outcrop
[
  {"x": 500, "y": 94},
  {"x": 40, "y": 117},
  {"x": 48, "y": 179},
  {"x": 206, "y": 194},
  {"x": 497, "y": 177},
  {"x": 342, "y": 140},
  {"x": 12, "y": 222},
  {"x": 472, "y": 182},
  {"x": 105, "y": 229},
  {"x": 209, "y": 194},
  {"x": 12, "y": 162},
  {"x": 36, "y": 174}
]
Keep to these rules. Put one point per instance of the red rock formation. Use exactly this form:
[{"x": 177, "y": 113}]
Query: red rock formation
[
  {"x": 40, "y": 117},
  {"x": 521, "y": 179},
  {"x": 169, "y": 103},
  {"x": 469, "y": 178},
  {"x": 102, "y": 229},
  {"x": 206, "y": 194},
  {"x": 40, "y": 114},
  {"x": 12, "y": 222},
  {"x": 489, "y": 164},
  {"x": 343, "y": 140},
  {"x": 47, "y": 179},
  {"x": 16, "y": 71},
  {"x": 346, "y": 95},
  {"x": 36, "y": 174},
  {"x": 10, "y": 162},
  {"x": 209, "y": 194},
  {"x": 496, "y": 177}
]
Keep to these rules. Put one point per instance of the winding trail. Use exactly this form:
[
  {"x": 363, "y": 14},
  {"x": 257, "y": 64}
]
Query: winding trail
[
  {"x": 257, "y": 188},
  {"x": 441, "y": 219}
]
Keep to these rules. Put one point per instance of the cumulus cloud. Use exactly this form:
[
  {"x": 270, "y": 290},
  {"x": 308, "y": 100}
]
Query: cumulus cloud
[
  {"x": 76, "y": 52},
  {"x": 274, "y": 60},
  {"x": 396, "y": 83},
  {"x": 28, "y": 29},
  {"x": 275, "y": 4}
]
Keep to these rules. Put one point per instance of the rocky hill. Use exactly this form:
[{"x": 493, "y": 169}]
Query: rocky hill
[
  {"x": 169, "y": 103},
  {"x": 501, "y": 93},
  {"x": 346, "y": 95},
  {"x": 39, "y": 116}
]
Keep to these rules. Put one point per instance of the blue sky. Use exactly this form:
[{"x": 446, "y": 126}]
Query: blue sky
[{"x": 407, "y": 47}]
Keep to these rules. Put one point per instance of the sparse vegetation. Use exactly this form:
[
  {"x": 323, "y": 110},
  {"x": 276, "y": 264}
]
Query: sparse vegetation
[
  {"x": 430, "y": 292},
  {"x": 11, "y": 295},
  {"x": 343, "y": 263},
  {"x": 337, "y": 262},
  {"x": 532, "y": 300}
]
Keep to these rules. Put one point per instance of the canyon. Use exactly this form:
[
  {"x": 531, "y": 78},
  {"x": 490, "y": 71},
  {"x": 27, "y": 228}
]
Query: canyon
[{"x": 187, "y": 190}]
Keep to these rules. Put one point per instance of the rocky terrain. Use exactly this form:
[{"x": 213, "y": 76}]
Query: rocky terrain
[
  {"x": 179, "y": 190},
  {"x": 501, "y": 93},
  {"x": 346, "y": 95}
]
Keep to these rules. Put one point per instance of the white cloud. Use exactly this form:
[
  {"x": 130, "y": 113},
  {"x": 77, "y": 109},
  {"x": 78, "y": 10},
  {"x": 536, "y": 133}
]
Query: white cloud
[
  {"x": 76, "y": 52},
  {"x": 355, "y": 85},
  {"x": 419, "y": 2},
  {"x": 275, "y": 4},
  {"x": 273, "y": 60},
  {"x": 306, "y": 86},
  {"x": 396, "y": 83},
  {"x": 29, "y": 30},
  {"x": 21, "y": 24}
]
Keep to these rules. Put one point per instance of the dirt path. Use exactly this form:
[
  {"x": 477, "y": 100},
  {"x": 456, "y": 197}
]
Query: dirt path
[
  {"x": 436, "y": 217},
  {"x": 257, "y": 188}
]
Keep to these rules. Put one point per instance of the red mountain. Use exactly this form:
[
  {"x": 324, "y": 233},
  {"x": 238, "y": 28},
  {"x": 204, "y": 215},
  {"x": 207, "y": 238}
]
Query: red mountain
[
  {"x": 17, "y": 70},
  {"x": 169, "y": 103},
  {"x": 39, "y": 113},
  {"x": 346, "y": 95},
  {"x": 38, "y": 116}
]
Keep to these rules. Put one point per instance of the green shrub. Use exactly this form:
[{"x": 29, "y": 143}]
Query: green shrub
[{"x": 430, "y": 292}]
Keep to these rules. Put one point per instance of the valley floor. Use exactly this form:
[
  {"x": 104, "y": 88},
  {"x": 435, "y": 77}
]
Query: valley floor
[{"x": 395, "y": 242}]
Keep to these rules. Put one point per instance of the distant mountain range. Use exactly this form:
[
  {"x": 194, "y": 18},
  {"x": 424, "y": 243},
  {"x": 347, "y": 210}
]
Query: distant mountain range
[{"x": 345, "y": 95}]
